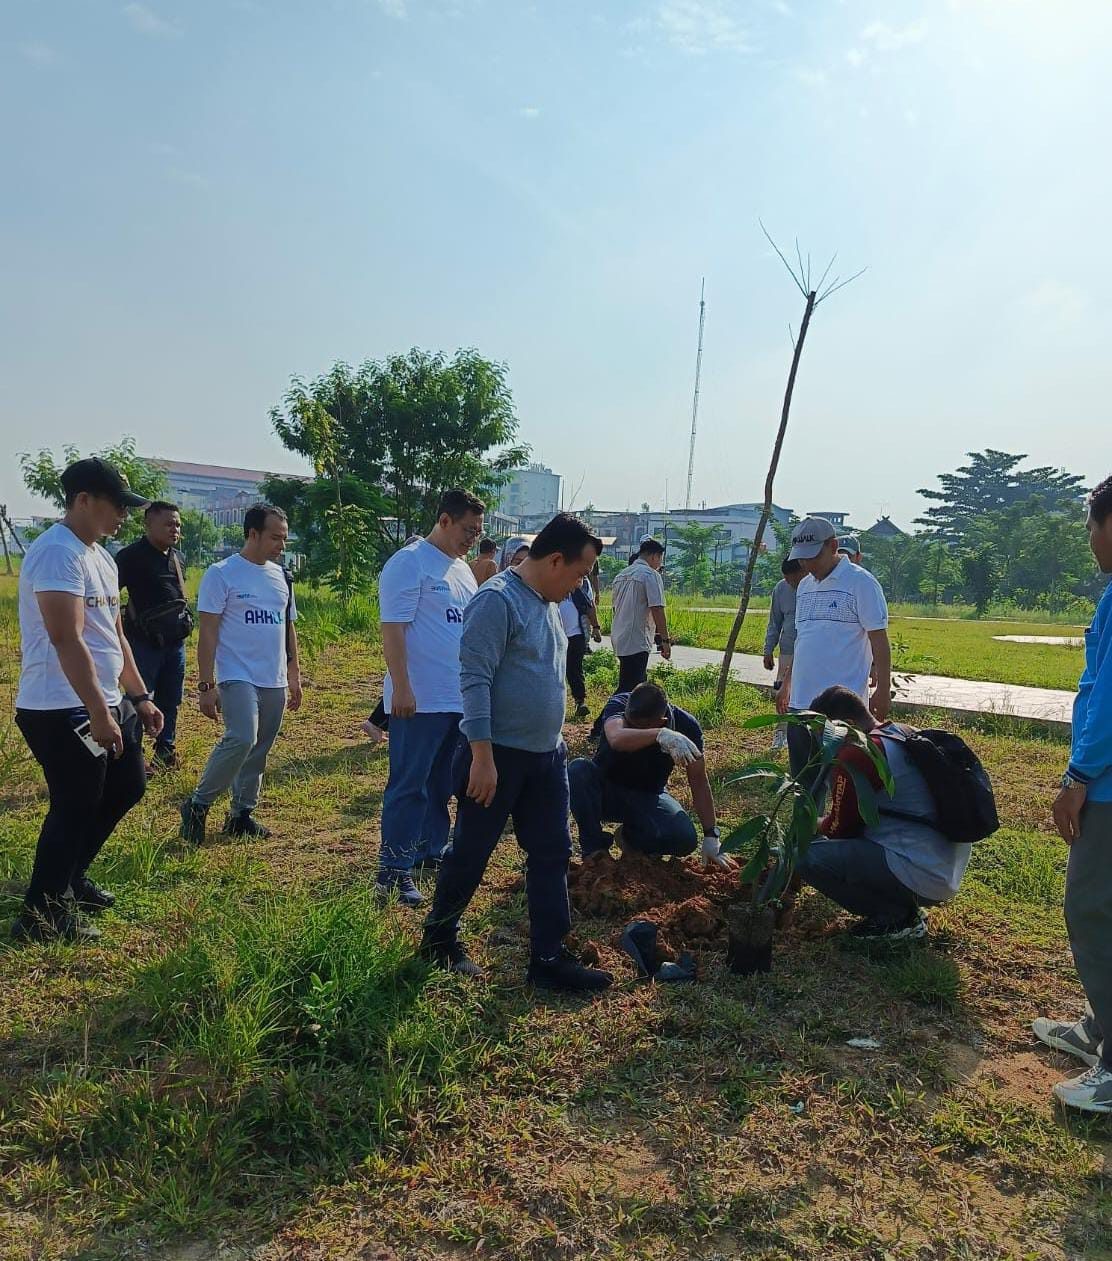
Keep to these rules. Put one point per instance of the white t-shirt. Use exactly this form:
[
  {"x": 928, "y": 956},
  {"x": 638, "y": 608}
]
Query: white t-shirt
[
  {"x": 427, "y": 590},
  {"x": 636, "y": 589},
  {"x": 569, "y": 616},
  {"x": 251, "y": 600},
  {"x": 59, "y": 561},
  {"x": 833, "y": 618}
]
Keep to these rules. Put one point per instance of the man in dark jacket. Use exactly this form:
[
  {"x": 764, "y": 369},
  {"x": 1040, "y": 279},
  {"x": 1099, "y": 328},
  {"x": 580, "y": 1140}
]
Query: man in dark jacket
[{"x": 156, "y": 620}]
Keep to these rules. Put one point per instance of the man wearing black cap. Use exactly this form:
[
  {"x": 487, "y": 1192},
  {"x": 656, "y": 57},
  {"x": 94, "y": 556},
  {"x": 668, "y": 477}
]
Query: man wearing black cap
[{"x": 82, "y": 704}]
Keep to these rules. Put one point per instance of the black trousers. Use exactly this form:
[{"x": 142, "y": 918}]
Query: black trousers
[
  {"x": 577, "y": 650},
  {"x": 89, "y": 795},
  {"x": 632, "y": 670},
  {"x": 533, "y": 791}
]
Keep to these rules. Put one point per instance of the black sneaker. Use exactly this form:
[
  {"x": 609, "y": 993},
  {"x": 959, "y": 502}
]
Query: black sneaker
[
  {"x": 57, "y": 925},
  {"x": 914, "y": 928},
  {"x": 245, "y": 824},
  {"x": 164, "y": 760},
  {"x": 564, "y": 972},
  {"x": 451, "y": 956},
  {"x": 194, "y": 819},
  {"x": 581, "y": 712},
  {"x": 90, "y": 897}
]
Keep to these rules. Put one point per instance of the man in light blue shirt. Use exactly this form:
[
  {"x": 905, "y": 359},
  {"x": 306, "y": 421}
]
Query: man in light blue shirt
[{"x": 1083, "y": 816}]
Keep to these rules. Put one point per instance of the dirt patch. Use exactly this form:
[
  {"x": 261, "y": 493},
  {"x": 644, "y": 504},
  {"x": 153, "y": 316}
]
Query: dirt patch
[{"x": 684, "y": 900}]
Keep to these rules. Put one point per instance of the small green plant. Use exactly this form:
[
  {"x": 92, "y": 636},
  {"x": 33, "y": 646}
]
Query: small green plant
[{"x": 783, "y": 835}]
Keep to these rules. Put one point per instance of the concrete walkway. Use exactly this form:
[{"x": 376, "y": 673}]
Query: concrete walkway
[{"x": 914, "y": 692}]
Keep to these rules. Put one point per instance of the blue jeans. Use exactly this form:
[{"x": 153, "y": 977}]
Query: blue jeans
[
  {"x": 654, "y": 823},
  {"x": 855, "y": 874},
  {"x": 415, "y": 818},
  {"x": 163, "y": 671},
  {"x": 533, "y": 789}
]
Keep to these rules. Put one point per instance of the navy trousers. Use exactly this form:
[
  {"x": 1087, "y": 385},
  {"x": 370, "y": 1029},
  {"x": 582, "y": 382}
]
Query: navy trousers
[{"x": 533, "y": 791}]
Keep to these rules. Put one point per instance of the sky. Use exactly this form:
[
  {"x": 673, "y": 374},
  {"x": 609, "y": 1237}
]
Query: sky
[{"x": 203, "y": 199}]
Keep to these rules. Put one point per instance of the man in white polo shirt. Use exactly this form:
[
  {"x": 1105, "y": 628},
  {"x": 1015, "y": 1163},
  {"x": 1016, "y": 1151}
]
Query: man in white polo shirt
[
  {"x": 422, "y": 592},
  {"x": 81, "y": 726},
  {"x": 246, "y": 660},
  {"x": 841, "y": 632}
]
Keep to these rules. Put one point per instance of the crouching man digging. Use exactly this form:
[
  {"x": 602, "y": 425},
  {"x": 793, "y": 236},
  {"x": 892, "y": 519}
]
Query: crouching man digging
[
  {"x": 643, "y": 738},
  {"x": 514, "y": 764}
]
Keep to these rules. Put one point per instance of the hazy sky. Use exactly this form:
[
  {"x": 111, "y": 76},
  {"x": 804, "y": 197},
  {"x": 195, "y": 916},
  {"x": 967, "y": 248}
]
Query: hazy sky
[{"x": 201, "y": 199}]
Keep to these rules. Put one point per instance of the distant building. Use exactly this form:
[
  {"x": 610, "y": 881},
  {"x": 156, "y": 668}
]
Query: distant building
[
  {"x": 223, "y": 494},
  {"x": 885, "y": 528},
  {"x": 531, "y": 491},
  {"x": 737, "y": 525},
  {"x": 836, "y": 519}
]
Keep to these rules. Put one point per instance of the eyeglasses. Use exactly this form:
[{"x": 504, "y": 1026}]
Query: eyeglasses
[{"x": 472, "y": 531}]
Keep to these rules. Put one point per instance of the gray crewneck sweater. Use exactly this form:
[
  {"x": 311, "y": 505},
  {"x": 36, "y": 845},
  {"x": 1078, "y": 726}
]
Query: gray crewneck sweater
[
  {"x": 512, "y": 659},
  {"x": 781, "y": 619}
]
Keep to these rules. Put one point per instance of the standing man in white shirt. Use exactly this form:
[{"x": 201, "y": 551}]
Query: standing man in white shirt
[
  {"x": 841, "y": 632},
  {"x": 82, "y": 728},
  {"x": 246, "y": 659},
  {"x": 639, "y": 616},
  {"x": 422, "y": 592}
]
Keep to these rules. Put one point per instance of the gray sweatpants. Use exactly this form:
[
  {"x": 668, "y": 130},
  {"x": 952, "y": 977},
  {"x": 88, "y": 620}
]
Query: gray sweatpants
[
  {"x": 252, "y": 720},
  {"x": 1089, "y": 914}
]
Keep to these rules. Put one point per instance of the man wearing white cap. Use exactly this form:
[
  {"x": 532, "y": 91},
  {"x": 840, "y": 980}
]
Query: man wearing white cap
[{"x": 841, "y": 623}]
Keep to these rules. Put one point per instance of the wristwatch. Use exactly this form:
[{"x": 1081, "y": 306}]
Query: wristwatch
[
  {"x": 138, "y": 700},
  {"x": 205, "y": 687},
  {"x": 1071, "y": 781},
  {"x": 714, "y": 832}
]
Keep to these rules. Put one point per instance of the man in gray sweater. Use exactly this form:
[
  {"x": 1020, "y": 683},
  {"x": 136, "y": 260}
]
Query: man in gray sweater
[
  {"x": 514, "y": 761},
  {"x": 781, "y": 632}
]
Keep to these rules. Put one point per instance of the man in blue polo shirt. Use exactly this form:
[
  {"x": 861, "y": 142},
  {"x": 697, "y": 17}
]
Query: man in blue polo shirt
[
  {"x": 643, "y": 739},
  {"x": 1083, "y": 816}
]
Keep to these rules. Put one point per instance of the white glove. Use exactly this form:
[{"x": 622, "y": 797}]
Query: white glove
[
  {"x": 678, "y": 747},
  {"x": 712, "y": 854}
]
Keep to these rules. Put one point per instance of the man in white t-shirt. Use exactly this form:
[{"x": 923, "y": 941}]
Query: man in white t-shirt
[
  {"x": 422, "y": 592},
  {"x": 246, "y": 661},
  {"x": 81, "y": 727},
  {"x": 639, "y": 616},
  {"x": 841, "y": 632}
]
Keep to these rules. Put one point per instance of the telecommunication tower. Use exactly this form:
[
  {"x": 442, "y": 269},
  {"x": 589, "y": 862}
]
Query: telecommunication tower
[{"x": 695, "y": 400}]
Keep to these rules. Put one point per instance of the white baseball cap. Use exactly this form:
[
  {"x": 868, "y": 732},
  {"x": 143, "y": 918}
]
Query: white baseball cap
[{"x": 809, "y": 537}]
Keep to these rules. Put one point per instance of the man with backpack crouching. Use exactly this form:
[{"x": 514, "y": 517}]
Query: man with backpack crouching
[{"x": 887, "y": 858}]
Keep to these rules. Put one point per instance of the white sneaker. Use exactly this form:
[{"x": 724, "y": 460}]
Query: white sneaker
[
  {"x": 1076, "y": 1039},
  {"x": 1090, "y": 1091}
]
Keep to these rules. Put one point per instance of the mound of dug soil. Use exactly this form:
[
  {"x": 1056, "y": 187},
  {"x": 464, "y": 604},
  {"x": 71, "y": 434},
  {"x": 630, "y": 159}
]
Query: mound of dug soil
[{"x": 682, "y": 898}]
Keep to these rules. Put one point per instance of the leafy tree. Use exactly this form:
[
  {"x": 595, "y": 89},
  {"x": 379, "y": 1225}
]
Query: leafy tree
[
  {"x": 694, "y": 545},
  {"x": 410, "y": 426},
  {"x": 898, "y": 563},
  {"x": 344, "y": 558},
  {"x": 941, "y": 576},
  {"x": 767, "y": 573},
  {"x": 42, "y": 475},
  {"x": 200, "y": 536},
  {"x": 991, "y": 481},
  {"x": 980, "y": 571}
]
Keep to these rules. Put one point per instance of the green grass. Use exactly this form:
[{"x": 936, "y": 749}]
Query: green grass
[
  {"x": 253, "y": 1056},
  {"x": 954, "y": 647}
]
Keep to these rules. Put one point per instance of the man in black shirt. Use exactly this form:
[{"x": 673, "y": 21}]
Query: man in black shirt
[
  {"x": 643, "y": 738},
  {"x": 157, "y": 620}
]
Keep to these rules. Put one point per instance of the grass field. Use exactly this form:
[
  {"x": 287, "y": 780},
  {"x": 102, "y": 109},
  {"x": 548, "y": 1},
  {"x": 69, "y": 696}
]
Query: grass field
[
  {"x": 251, "y": 1057},
  {"x": 957, "y": 647}
]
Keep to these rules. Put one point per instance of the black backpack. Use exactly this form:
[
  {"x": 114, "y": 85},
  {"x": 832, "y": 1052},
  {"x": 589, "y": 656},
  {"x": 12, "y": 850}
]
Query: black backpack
[{"x": 964, "y": 805}]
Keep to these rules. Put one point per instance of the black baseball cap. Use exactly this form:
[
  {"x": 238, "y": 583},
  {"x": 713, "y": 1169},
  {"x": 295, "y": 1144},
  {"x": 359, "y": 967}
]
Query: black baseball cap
[{"x": 95, "y": 476}]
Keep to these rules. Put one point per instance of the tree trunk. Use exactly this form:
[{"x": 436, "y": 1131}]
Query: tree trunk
[
  {"x": 766, "y": 512},
  {"x": 4, "y": 538}
]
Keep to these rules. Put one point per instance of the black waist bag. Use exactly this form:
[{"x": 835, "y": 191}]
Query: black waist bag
[
  {"x": 167, "y": 623},
  {"x": 964, "y": 804}
]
